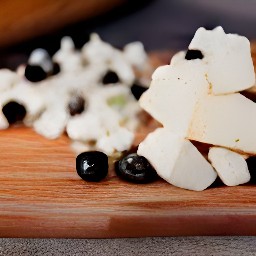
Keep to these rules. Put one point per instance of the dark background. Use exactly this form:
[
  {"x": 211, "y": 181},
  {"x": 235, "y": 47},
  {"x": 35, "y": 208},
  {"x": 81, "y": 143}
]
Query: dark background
[{"x": 158, "y": 24}]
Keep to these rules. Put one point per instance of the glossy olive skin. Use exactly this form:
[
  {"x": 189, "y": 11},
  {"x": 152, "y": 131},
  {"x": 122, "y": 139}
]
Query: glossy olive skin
[
  {"x": 194, "y": 54},
  {"x": 251, "y": 163},
  {"x": 92, "y": 165},
  {"x": 136, "y": 169},
  {"x": 14, "y": 112},
  {"x": 35, "y": 73},
  {"x": 137, "y": 90},
  {"x": 110, "y": 77}
]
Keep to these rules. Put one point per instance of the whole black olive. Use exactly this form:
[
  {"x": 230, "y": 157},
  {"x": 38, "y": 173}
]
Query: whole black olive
[
  {"x": 92, "y": 165},
  {"x": 35, "y": 73},
  {"x": 136, "y": 169}
]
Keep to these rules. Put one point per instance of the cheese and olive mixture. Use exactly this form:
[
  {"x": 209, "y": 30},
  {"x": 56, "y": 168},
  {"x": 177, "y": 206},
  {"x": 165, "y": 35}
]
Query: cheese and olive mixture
[
  {"x": 89, "y": 94},
  {"x": 85, "y": 93}
]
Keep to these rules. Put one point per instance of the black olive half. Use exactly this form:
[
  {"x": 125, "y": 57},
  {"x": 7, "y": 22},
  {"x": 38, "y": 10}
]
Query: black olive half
[
  {"x": 110, "y": 77},
  {"x": 14, "y": 112},
  {"x": 194, "y": 54}
]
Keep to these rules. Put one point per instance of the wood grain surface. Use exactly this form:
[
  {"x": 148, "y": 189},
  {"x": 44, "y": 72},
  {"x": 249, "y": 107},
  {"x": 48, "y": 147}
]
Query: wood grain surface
[{"x": 42, "y": 196}]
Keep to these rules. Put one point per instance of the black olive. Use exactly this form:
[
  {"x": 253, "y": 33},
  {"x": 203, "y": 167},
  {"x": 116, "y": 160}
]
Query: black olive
[
  {"x": 14, "y": 112},
  {"x": 76, "y": 105},
  {"x": 194, "y": 54},
  {"x": 135, "y": 168},
  {"x": 56, "y": 68},
  {"x": 110, "y": 77},
  {"x": 35, "y": 73},
  {"x": 251, "y": 162},
  {"x": 137, "y": 90},
  {"x": 92, "y": 165}
]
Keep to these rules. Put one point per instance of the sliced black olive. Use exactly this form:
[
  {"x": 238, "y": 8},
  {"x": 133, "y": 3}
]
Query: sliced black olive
[
  {"x": 76, "y": 105},
  {"x": 14, "y": 112},
  {"x": 194, "y": 54},
  {"x": 35, "y": 73},
  {"x": 110, "y": 77},
  {"x": 251, "y": 163},
  {"x": 92, "y": 165},
  {"x": 137, "y": 90},
  {"x": 56, "y": 68},
  {"x": 136, "y": 169}
]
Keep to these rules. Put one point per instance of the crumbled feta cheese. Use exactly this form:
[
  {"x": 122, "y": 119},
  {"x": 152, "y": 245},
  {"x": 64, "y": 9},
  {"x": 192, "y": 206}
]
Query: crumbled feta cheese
[
  {"x": 67, "y": 56},
  {"x": 135, "y": 54},
  {"x": 41, "y": 58},
  {"x": 109, "y": 119},
  {"x": 96, "y": 51},
  {"x": 8, "y": 79}
]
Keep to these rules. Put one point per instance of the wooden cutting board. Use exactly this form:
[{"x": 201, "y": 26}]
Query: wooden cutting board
[{"x": 42, "y": 196}]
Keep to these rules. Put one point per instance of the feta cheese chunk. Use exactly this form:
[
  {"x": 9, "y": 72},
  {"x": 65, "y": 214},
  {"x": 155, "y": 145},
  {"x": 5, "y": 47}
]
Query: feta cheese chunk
[
  {"x": 195, "y": 98},
  {"x": 227, "y": 121},
  {"x": 227, "y": 58},
  {"x": 230, "y": 166},
  {"x": 177, "y": 160},
  {"x": 173, "y": 95}
]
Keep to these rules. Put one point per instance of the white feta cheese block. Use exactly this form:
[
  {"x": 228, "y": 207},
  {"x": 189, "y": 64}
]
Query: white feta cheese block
[
  {"x": 178, "y": 58},
  {"x": 230, "y": 166},
  {"x": 228, "y": 60},
  {"x": 177, "y": 160},
  {"x": 227, "y": 121},
  {"x": 173, "y": 95}
]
